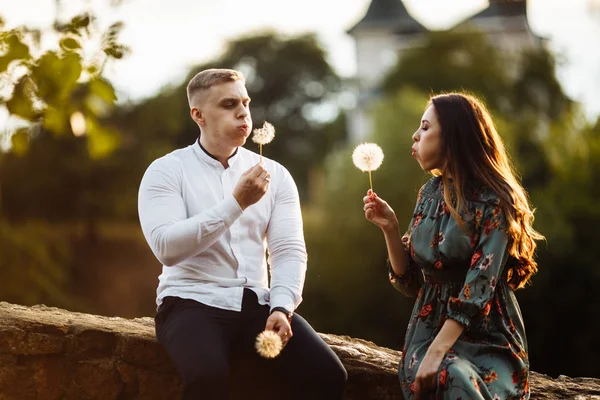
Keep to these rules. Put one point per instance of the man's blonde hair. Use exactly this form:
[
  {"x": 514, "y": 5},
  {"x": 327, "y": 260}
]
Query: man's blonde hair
[{"x": 210, "y": 77}]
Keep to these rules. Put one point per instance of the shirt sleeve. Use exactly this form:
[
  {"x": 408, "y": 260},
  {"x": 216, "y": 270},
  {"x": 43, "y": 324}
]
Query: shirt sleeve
[
  {"x": 486, "y": 267},
  {"x": 286, "y": 247},
  {"x": 172, "y": 236}
]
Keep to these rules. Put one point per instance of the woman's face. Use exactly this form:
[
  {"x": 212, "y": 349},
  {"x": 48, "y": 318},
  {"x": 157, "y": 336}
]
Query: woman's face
[{"x": 427, "y": 148}]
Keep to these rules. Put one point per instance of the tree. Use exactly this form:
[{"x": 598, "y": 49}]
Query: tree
[{"x": 52, "y": 95}]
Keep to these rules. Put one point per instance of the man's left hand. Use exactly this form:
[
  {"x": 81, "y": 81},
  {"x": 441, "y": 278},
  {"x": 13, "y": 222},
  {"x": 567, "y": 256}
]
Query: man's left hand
[{"x": 278, "y": 323}]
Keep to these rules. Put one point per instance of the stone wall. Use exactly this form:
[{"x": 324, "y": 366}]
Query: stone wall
[{"x": 49, "y": 353}]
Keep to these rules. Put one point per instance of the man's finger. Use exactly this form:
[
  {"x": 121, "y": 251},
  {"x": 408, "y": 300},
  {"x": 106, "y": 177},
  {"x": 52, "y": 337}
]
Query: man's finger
[
  {"x": 257, "y": 170},
  {"x": 270, "y": 325}
]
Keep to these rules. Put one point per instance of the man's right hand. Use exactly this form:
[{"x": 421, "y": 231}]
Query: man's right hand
[{"x": 252, "y": 186}]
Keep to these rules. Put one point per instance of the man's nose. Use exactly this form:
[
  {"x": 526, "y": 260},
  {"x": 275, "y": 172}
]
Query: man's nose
[{"x": 243, "y": 112}]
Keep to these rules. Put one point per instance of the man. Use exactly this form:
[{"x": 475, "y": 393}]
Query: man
[{"x": 209, "y": 212}]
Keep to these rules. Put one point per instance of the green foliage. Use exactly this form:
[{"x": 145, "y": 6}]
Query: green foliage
[
  {"x": 34, "y": 264},
  {"x": 49, "y": 173},
  {"x": 49, "y": 86}
]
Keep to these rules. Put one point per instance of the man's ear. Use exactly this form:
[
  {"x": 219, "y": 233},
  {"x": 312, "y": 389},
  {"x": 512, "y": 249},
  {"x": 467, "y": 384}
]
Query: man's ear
[{"x": 197, "y": 115}]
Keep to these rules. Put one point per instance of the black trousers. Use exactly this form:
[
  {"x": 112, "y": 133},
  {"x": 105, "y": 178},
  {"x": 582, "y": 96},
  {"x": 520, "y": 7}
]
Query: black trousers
[{"x": 204, "y": 342}]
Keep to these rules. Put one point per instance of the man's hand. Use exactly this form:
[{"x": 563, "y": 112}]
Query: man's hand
[
  {"x": 252, "y": 186},
  {"x": 278, "y": 323}
]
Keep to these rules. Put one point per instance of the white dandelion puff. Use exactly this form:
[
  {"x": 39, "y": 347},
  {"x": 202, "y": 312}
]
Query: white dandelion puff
[
  {"x": 264, "y": 135},
  {"x": 367, "y": 157},
  {"x": 268, "y": 344}
]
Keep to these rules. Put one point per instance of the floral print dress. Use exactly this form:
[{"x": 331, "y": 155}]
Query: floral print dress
[{"x": 463, "y": 277}]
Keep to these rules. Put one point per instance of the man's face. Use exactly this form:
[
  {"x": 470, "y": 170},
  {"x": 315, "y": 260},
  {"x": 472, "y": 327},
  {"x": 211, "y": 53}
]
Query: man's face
[{"x": 223, "y": 113}]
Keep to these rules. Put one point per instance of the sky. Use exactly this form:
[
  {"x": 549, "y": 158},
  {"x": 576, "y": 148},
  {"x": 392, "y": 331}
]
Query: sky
[{"x": 168, "y": 38}]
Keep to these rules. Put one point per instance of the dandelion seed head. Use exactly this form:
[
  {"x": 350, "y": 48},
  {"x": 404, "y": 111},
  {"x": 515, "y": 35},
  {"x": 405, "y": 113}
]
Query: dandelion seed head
[
  {"x": 264, "y": 135},
  {"x": 367, "y": 156},
  {"x": 268, "y": 344}
]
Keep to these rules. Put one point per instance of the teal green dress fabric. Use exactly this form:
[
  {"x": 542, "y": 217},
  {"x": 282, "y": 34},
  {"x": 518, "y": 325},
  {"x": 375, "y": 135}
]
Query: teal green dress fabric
[{"x": 462, "y": 276}]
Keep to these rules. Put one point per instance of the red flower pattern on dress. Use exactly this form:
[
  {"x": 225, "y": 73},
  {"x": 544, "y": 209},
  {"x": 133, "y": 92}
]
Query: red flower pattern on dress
[
  {"x": 519, "y": 377},
  {"x": 487, "y": 308},
  {"x": 418, "y": 218},
  {"x": 443, "y": 378},
  {"x": 478, "y": 217},
  {"x": 491, "y": 377},
  {"x": 438, "y": 239},
  {"x": 438, "y": 264},
  {"x": 467, "y": 291},
  {"x": 476, "y": 256},
  {"x": 489, "y": 225},
  {"x": 496, "y": 212},
  {"x": 442, "y": 209},
  {"x": 474, "y": 239},
  {"x": 425, "y": 311},
  {"x": 487, "y": 261}
]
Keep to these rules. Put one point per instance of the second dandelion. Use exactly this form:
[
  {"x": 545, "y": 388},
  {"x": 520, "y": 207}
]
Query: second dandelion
[{"x": 367, "y": 157}]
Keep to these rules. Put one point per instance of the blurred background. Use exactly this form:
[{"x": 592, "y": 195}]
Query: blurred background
[{"x": 92, "y": 91}]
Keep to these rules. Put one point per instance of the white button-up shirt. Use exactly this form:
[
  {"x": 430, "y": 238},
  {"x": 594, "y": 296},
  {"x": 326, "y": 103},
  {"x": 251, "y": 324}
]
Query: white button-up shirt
[{"x": 210, "y": 248}]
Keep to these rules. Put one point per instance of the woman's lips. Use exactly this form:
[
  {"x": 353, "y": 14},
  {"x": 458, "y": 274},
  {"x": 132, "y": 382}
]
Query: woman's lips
[{"x": 414, "y": 153}]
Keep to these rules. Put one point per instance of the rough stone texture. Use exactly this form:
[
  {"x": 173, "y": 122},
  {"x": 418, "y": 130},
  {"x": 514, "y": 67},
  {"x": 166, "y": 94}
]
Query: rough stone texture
[{"x": 49, "y": 353}]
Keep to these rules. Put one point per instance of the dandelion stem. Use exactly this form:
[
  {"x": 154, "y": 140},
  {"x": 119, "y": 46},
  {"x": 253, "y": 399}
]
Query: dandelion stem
[{"x": 370, "y": 180}]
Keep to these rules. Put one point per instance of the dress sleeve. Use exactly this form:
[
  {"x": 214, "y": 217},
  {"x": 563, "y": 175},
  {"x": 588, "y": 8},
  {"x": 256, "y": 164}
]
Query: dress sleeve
[
  {"x": 411, "y": 281},
  {"x": 487, "y": 266}
]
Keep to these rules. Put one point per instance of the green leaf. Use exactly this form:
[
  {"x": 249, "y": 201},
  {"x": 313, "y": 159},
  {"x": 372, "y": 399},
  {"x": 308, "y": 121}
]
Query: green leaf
[
  {"x": 69, "y": 44},
  {"x": 81, "y": 21},
  {"x": 56, "y": 77},
  {"x": 103, "y": 89},
  {"x": 21, "y": 102},
  {"x": 55, "y": 120},
  {"x": 20, "y": 141},
  {"x": 15, "y": 49},
  {"x": 101, "y": 140}
]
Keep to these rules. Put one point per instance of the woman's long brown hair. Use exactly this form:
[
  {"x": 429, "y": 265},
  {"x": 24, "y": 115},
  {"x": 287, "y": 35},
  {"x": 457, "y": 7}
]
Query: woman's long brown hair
[{"x": 474, "y": 153}]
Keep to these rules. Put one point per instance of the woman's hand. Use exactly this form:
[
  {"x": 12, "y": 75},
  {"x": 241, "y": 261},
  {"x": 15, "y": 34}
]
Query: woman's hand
[
  {"x": 426, "y": 379},
  {"x": 379, "y": 212}
]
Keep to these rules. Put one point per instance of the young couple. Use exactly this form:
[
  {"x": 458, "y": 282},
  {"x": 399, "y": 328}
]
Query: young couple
[{"x": 211, "y": 210}]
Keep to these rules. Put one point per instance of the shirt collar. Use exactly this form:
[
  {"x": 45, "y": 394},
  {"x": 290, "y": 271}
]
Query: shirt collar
[{"x": 205, "y": 156}]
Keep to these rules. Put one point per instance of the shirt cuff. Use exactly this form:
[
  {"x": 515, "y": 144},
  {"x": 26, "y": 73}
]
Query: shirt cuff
[
  {"x": 229, "y": 210},
  {"x": 284, "y": 300}
]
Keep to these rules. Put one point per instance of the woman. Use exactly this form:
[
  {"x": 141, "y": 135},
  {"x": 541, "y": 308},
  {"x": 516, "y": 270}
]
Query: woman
[{"x": 469, "y": 245}]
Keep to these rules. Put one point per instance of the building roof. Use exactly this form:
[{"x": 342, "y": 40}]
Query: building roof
[
  {"x": 504, "y": 8},
  {"x": 388, "y": 14}
]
